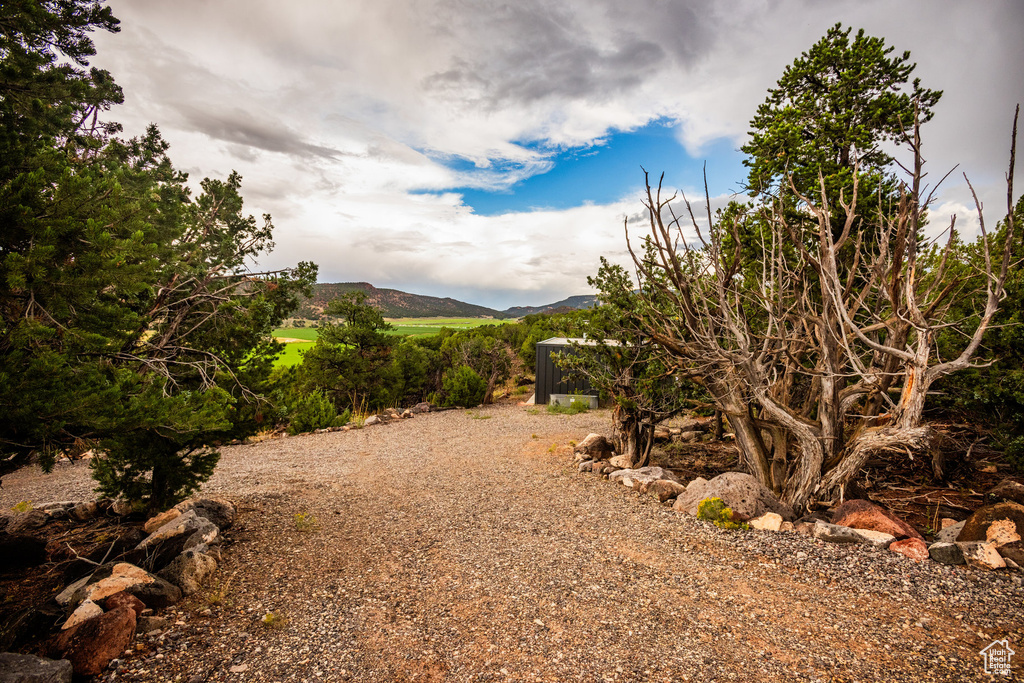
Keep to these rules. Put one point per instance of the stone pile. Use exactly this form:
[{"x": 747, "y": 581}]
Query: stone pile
[
  {"x": 102, "y": 608},
  {"x": 989, "y": 539}
]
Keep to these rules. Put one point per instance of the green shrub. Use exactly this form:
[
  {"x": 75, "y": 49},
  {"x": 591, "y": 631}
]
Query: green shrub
[
  {"x": 311, "y": 412},
  {"x": 574, "y": 408},
  {"x": 715, "y": 511},
  {"x": 463, "y": 387}
]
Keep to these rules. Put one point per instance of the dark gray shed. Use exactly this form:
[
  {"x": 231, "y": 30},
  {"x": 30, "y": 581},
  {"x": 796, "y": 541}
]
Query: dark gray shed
[{"x": 550, "y": 377}]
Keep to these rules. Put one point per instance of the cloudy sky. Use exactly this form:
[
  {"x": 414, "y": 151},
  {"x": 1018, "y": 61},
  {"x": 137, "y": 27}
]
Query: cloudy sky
[{"x": 489, "y": 151}]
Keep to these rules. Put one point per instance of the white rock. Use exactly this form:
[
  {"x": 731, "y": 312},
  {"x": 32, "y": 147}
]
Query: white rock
[
  {"x": 769, "y": 521},
  {"x": 87, "y": 610}
]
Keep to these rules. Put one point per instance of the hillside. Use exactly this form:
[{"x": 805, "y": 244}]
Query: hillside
[
  {"x": 394, "y": 303},
  {"x": 572, "y": 303}
]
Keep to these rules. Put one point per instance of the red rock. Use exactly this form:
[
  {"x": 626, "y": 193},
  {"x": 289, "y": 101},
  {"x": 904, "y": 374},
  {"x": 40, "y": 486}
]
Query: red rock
[
  {"x": 91, "y": 645},
  {"x": 910, "y": 547},
  {"x": 123, "y": 599},
  {"x": 863, "y": 514}
]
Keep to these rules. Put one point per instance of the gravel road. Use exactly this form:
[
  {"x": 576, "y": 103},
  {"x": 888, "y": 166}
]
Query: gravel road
[{"x": 463, "y": 546}]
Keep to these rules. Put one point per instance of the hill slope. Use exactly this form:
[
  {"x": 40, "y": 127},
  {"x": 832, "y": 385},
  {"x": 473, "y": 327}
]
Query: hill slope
[
  {"x": 394, "y": 303},
  {"x": 572, "y": 303}
]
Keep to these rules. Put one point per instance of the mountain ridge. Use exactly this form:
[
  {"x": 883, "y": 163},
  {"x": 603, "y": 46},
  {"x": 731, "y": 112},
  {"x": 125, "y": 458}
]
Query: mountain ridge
[{"x": 394, "y": 303}]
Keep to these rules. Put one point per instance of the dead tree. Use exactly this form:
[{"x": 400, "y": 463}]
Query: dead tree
[{"x": 804, "y": 339}]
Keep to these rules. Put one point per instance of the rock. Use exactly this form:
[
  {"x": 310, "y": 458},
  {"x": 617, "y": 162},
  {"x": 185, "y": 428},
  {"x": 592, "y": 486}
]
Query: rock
[
  {"x": 150, "y": 624},
  {"x": 603, "y": 467},
  {"x": 372, "y": 420},
  {"x": 65, "y": 597},
  {"x": 913, "y": 548},
  {"x": 1010, "y": 490},
  {"x": 769, "y": 521},
  {"x": 694, "y": 424},
  {"x": 421, "y": 408},
  {"x": 643, "y": 475},
  {"x": 156, "y": 595},
  {"x": 863, "y": 514},
  {"x": 977, "y": 525},
  {"x": 833, "y": 533},
  {"x": 21, "y": 550},
  {"x": 122, "y": 507},
  {"x": 157, "y": 521},
  {"x": 189, "y": 571},
  {"x": 91, "y": 645},
  {"x": 183, "y": 532},
  {"x": 123, "y": 599},
  {"x": 662, "y": 434},
  {"x": 1002, "y": 532},
  {"x": 665, "y": 489},
  {"x": 787, "y": 526},
  {"x": 585, "y": 466},
  {"x": 407, "y": 414},
  {"x": 741, "y": 492},
  {"x": 1013, "y": 551},
  {"x": 220, "y": 511},
  {"x": 949, "y": 533},
  {"x": 690, "y": 437},
  {"x": 83, "y": 512},
  {"x": 27, "y": 522},
  {"x": 620, "y": 462},
  {"x": 947, "y": 522},
  {"x": 595, "y": 447},
  {"x": 946, "y": 553},
  {"x": 104, "y": 583},
  {"x": 85, "y": 611},
  {"x": 981, "y": 555},
  {"x": 15, "y": 668}
]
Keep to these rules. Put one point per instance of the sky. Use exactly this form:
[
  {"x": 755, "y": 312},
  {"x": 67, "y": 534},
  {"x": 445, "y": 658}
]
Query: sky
[{"x": 491, "y": 151}]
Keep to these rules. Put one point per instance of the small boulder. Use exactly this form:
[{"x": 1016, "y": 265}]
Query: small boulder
[
  {"x": 981, "y": 555},
  {"x": 28, "y": 522},
  {"x": 585, "y": 466},
  {"x": 106, "y": 582},
  {"x": 156, "y": 595},
  {"x": 620, "y": 462},
  {"x": 406, "y": 414},
  {"x": 157, "y": 521},
  {"x": 91, "y": 645},
  {"x": 183, "y": 532},
  {"x": 643, "y": 475},
  {"x": 189, "y": 571},
  {"x": 690, "y": 437},
  {"x": 123, "y": 599},
  {"x": 833, "y": 533},
  {"x": 16, "y": 668},
  {"x": 219, "y": 511},
  {"x": 85, "y": 611},
  {"x": 595, "y": 447},
  {"x": 913, "y": 548},
  {"x": 977, "y": 525},
  {"x": 665, "y": 489},
  {"x": 1013, "y": 551},
  {"x": 946, "y": 553},
  {"x": 863, "y": 514},
  {"x": 372, "y": 420},
  {"x": 1002, "y": 532},
  {"x": 83, "y": 512},
  {"x": 423, "y": 407},
  {"x": 122, "y": 507},
  {"x": 1008, "y": 489},
  {"x": 949, "y": 532},
  {"x": 739, "y": 491},
  {"x": 769, "y": 521},
  {"x": 150, "y": 624}
]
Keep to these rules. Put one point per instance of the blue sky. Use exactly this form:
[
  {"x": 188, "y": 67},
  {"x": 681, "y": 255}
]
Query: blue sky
[{"x": 610, "y": 169}]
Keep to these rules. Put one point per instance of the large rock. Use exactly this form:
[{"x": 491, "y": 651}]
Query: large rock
[
  {"x": 833, "y": 533},
  {"x": 104, "y": 583},
  {"x": 157, "y": 521},
  {"x": 949, "y": 533},
  {"x": 643, "y": 475},
  {"x": 183, "y": 532},
  {"x": 769, "y": 521},
  {"x": 91, "y": 645},
  {"x": 946, "y": 553},
  {"x": 28, "y": 522},
  {"x": 981, "y": 555},
  {"x": 85, "y": 611},
  {"x": 15, "y": 668},
  {"x": 863, "y": 514},
  {"x": 913, "y": 548},
  {"x": 594, "y": 447},
  {"x": 189, "y": 570},
  {"x": 123, "y": 599},
  {"x": 218, "y": 510},
  {"x": 977, "y": 525},
  {"x": 620, "y": 462},
  {"x": 741, "y": 492},
  {"x": 1010, "y": 490},
  {"x": 1013, "y": 551},
  {"x": 156, "y": 595}
]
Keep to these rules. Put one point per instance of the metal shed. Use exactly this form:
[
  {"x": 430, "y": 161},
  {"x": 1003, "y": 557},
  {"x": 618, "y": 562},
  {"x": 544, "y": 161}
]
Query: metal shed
[{"x": 550, "y": 378}]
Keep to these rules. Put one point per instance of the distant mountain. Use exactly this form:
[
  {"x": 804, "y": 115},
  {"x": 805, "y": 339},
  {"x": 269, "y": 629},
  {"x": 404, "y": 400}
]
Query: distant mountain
[
  {"x": 565, "y": 305},
  {"x": 394, "y": 303}
]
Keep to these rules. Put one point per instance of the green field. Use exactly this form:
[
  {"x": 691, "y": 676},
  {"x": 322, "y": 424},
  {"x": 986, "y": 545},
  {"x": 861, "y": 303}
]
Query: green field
[{"x": 409, "y": 327}]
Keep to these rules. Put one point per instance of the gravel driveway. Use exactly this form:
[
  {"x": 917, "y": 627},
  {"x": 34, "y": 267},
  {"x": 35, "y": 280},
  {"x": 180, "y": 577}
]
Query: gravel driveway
[{"x": 460, "y": 546}]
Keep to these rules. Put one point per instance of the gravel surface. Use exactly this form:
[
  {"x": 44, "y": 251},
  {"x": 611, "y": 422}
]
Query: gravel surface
[{"x": 463, "y": 546}]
